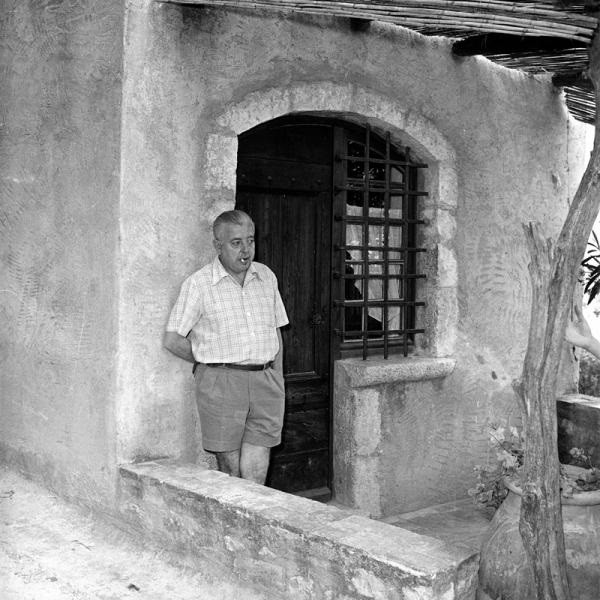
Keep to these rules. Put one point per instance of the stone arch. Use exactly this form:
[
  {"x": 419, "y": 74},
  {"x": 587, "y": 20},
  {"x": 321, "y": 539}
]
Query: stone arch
[{"x": 408, "y": 128}]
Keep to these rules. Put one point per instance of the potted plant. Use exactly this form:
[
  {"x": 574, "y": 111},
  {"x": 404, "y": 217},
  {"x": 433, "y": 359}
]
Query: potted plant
[{"x": 504, "y": 571}]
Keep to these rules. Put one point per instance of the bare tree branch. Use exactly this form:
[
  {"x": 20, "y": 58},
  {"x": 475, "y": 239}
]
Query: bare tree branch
[{"x": 553, "y": 272}]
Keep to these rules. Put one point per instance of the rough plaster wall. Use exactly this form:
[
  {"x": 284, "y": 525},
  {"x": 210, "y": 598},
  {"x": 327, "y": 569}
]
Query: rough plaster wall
[
  {"x": 165, "y": 225},
  {"x": 60, "y": 68},
  {"x": 510, "y": 134}
]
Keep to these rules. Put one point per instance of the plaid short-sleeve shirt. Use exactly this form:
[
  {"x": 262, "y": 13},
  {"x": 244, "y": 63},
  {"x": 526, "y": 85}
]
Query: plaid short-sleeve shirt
[{"x": 227, "y": 322}]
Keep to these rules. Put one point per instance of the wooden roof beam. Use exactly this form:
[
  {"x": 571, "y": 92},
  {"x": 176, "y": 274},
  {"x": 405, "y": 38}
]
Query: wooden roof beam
[
  {"x": 513, "y": 17},
  {"x": 500, "y": 43},
  {"x": 578, "y": 79},
  {"x": 589, "y": 6}
]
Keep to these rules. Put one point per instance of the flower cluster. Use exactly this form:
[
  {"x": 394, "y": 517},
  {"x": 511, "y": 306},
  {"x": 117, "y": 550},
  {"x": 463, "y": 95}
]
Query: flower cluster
[
  {"x": 508, "y": 443},
  {"x": 490, "y": 491},
  {"x": 580, "y": 476}
]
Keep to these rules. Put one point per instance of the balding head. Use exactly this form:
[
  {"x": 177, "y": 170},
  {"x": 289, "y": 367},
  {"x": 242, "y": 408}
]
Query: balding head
[{"x": 231, "y": 217}]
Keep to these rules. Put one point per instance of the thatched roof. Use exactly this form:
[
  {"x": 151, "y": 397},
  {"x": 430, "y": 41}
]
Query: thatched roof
[{"x": 541, "y": 36}]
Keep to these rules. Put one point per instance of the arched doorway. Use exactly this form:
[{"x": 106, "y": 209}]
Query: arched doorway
[{"x": 336, "y": 213}]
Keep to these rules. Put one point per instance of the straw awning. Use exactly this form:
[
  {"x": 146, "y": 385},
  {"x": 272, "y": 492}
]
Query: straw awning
[{"x": 542, "y": 36}]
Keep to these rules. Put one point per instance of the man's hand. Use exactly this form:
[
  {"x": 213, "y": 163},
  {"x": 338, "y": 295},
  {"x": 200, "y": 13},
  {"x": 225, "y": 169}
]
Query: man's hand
[{"x": 578, "y": 333}]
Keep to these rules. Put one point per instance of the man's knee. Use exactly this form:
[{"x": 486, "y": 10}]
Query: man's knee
[
  {"x": 251, "y": 462},
  {"x": 254, "y": 462},
  {"x": 229, "y": 462}
]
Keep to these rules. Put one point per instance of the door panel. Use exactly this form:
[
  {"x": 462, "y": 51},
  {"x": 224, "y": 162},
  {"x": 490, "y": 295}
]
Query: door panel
[{"x": 288, "y": 194}]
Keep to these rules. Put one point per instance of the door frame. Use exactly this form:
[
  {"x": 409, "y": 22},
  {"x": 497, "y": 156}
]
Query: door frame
[{"x": 342, "y": 131}]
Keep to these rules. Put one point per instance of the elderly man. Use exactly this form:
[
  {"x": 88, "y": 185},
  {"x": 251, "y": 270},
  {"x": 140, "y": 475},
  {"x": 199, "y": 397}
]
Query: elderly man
[{"x": 226, "y": 321}]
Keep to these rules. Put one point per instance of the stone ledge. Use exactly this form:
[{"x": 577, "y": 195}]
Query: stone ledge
[
  {"x": 286, "y": 545},
  {"x": 378, "y": 371}
]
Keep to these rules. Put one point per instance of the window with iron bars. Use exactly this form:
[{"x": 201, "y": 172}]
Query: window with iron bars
[{"x": 376, "y": 213}]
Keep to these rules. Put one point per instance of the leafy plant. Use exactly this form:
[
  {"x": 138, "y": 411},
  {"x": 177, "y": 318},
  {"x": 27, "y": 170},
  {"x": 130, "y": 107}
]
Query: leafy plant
[
  {"x": 591, "y": 268},
  {"x": 490, "y": 491},
  {"x": 580, "y": 477}
]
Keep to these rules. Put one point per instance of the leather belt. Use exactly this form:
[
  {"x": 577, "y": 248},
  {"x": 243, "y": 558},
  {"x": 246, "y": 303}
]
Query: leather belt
[{"x": 264, "y": 367}]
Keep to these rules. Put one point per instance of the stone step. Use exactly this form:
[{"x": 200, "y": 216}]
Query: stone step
[{"x": 286, "y": 546}]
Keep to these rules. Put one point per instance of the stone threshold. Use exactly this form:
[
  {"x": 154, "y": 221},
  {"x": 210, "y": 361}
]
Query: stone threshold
[{"x": 286, "y": 546}]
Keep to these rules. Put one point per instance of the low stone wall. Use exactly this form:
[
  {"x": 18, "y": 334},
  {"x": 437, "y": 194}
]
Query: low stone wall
[{"x": 286, "y": 546}]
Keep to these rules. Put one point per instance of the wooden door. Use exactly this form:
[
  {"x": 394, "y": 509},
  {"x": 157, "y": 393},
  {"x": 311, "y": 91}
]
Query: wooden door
[{"x": 284, "y": 182}]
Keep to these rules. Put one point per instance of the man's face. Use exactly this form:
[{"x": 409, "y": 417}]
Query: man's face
[{"x": 235, "y": 245}]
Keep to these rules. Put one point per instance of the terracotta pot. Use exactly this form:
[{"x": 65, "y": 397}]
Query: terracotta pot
[{"x": 503, "y": 569}]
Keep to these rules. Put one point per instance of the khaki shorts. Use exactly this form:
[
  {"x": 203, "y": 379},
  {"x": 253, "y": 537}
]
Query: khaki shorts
[{"x": 239, "y": 406}]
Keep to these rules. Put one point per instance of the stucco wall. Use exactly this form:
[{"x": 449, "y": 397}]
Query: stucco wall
[
  {"x": 60, "y": 66},
  {"x": 90, "y": 267},
  {"x": 502, "y": 151}
]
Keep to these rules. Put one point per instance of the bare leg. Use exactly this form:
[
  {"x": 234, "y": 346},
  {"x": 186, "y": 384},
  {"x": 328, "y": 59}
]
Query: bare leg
[
  {"x": 229, "y": 462},
  {"x": 254, "y": 462}
]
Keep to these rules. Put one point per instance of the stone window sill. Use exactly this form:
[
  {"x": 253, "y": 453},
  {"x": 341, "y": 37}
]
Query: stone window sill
[{"x": 378, "y": 371}]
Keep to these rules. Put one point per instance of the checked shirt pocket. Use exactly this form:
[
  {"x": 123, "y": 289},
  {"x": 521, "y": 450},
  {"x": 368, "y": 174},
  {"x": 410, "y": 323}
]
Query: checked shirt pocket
[{"x": 263, "y": 312}]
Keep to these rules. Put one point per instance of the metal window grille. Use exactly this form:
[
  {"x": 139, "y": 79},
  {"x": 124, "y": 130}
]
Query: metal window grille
[{"x": 376, "y": 213}]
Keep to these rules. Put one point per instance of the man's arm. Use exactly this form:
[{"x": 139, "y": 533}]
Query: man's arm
[
  {"x": 279, "y": 356},
  {"x": 578, "y": 333},
  {"x": 177, "y": 344}
]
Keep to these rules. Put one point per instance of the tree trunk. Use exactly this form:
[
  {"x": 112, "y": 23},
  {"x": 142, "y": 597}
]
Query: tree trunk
[{"x": 553, "y": 273}]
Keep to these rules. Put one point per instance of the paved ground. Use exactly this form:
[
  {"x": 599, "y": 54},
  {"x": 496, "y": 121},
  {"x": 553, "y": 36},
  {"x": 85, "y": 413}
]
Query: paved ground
[
  {"x": 50, "y": 550},
  {"x": 459, "y": 522}
]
